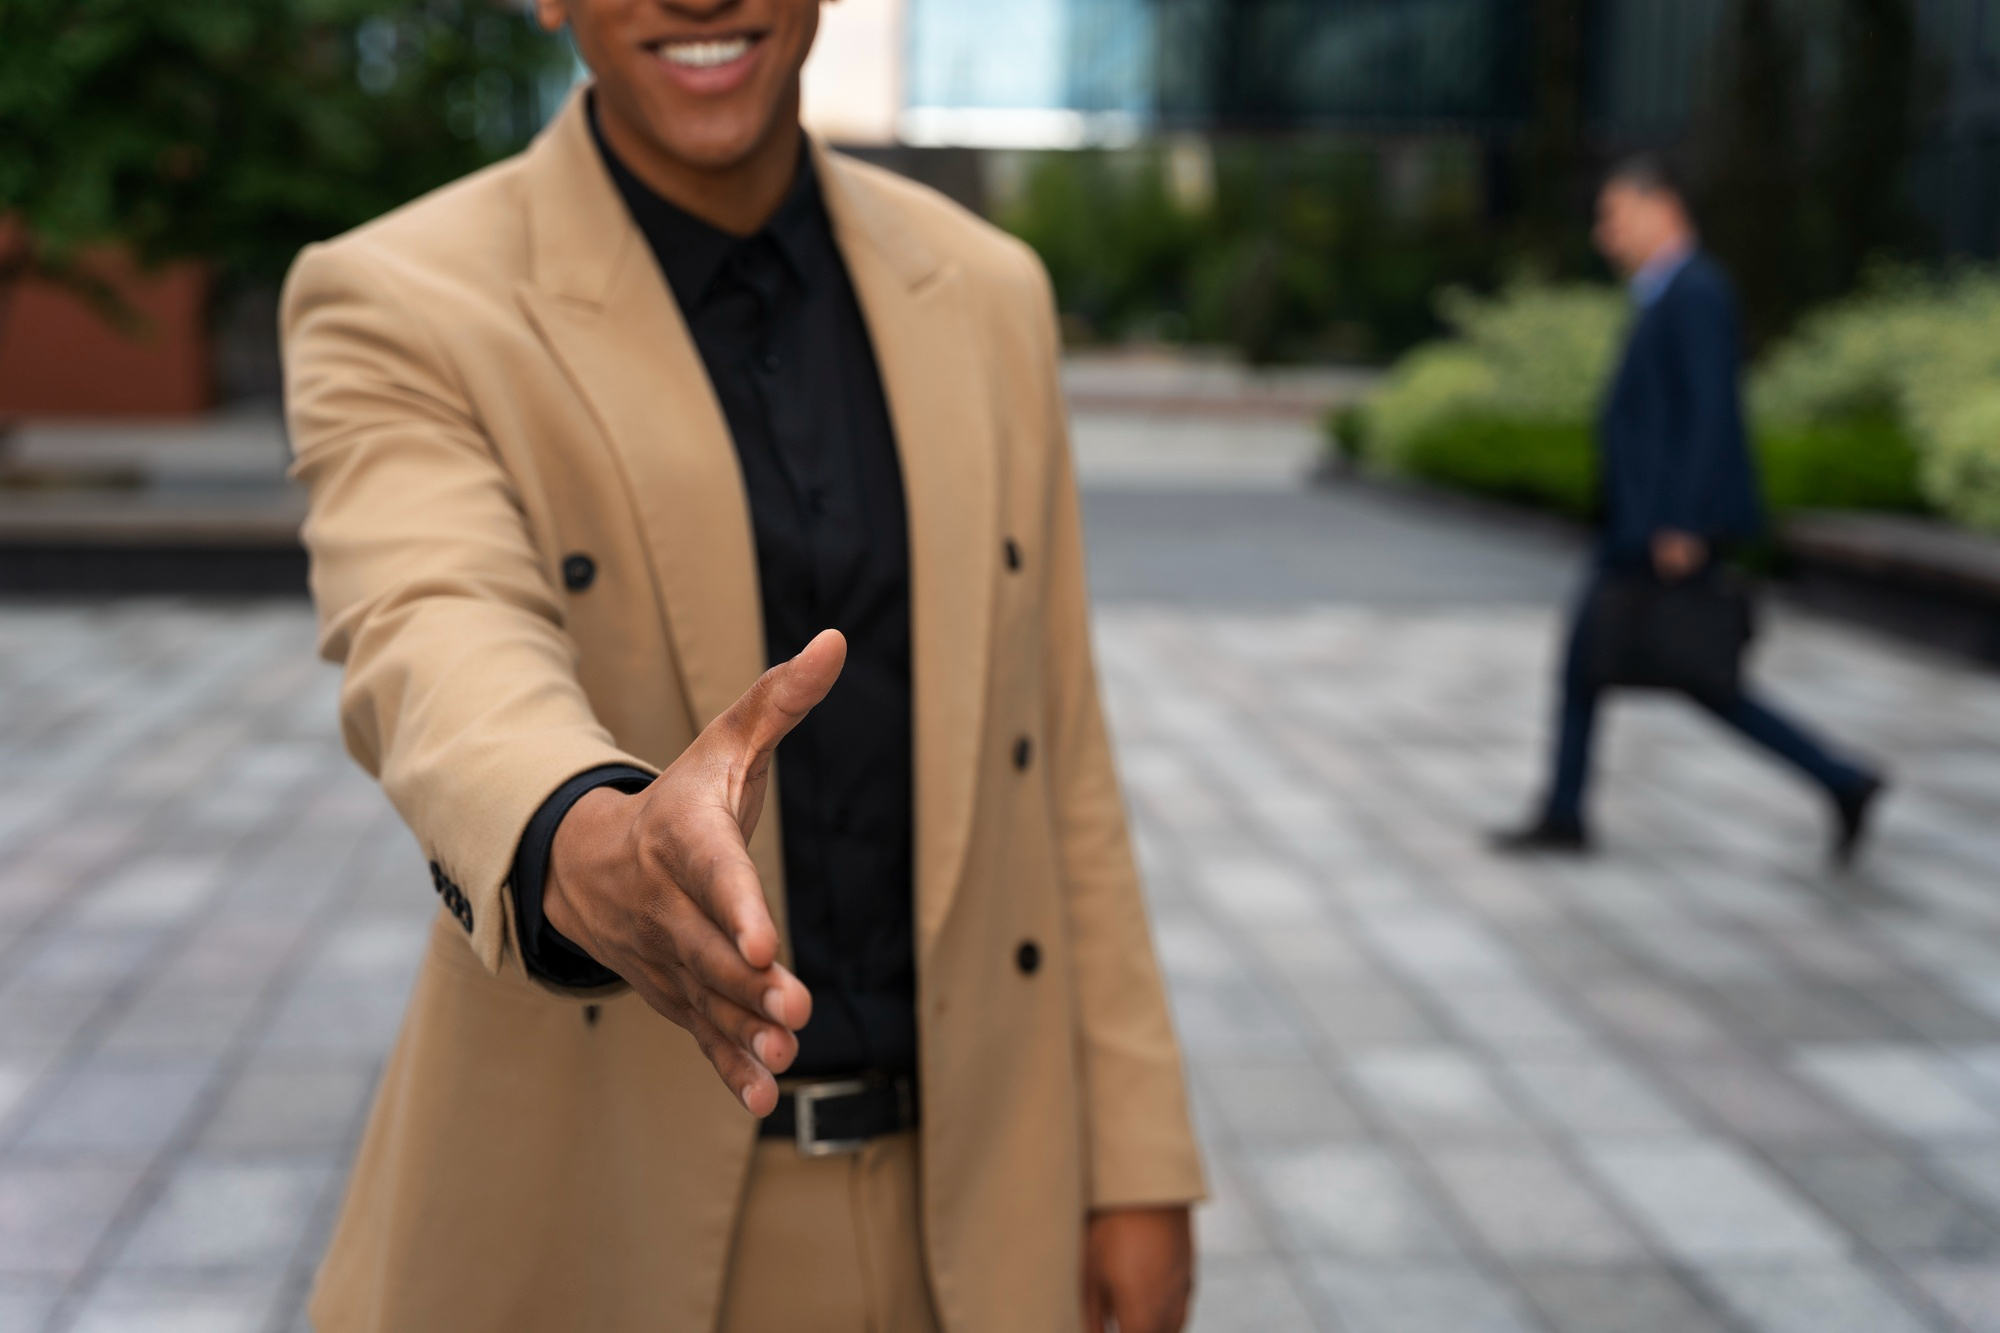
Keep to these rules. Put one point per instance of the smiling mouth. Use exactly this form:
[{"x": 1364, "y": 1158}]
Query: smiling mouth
[{"x": 709, "y": 53}]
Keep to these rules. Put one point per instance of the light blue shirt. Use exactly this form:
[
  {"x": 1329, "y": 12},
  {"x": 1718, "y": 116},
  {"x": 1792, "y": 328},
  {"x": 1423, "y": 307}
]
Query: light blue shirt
[{"x": 1650, "y": 283}]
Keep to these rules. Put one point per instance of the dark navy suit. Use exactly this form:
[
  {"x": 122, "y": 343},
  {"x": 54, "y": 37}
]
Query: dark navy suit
[{"x": 1675, "y": 456}]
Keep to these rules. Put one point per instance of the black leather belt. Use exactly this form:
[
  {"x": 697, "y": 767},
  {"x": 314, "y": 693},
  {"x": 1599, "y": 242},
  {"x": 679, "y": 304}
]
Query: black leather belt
[{"x": 841, "y": 1115}]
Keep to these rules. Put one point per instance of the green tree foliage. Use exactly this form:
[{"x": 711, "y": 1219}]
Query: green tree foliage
[
  {"x": 1297, "y": 247},
  {"x": 1802, "y": 176},
  {"x": 239, "y": 130}
]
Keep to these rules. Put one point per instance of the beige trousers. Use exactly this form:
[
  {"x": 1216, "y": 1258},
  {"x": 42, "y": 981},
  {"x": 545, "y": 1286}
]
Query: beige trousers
[{"x": 830, "y": 1244}]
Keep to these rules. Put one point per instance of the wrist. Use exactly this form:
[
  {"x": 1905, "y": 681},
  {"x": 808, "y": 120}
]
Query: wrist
[{"x": 578, "y": 860}]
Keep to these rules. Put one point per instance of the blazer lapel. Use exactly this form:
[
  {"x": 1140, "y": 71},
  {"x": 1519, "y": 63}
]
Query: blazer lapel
[
  {"x": 916, "y": 312},
  {"x": 602, "y": 306}
]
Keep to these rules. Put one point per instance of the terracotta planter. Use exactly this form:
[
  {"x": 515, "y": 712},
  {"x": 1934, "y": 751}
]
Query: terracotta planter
[{"x": 59, "y": 357}]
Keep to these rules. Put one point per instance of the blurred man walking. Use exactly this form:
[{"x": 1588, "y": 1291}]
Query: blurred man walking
[{"x": 1677, "y": 486}]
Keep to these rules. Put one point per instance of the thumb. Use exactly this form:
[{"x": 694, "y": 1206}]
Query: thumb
[{"x": 783, "y": 696}]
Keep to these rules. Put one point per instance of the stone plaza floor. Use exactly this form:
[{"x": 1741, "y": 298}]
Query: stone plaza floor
[{"x": 1697, "y": 1083}]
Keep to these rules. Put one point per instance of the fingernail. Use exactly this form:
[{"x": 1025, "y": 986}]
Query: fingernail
[
  {"x": 743, "y": 946},
  {"x": 774, "y": 1005},
  {"x": 760, "y": 1046},
  {"x": 743, "y": 1095}
]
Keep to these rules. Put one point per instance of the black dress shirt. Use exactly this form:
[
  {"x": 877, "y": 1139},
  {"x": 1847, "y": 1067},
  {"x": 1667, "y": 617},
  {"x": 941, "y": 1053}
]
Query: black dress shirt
[{"x": 780, "y": 332}]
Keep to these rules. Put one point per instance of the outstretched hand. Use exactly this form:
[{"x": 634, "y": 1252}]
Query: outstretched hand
[{"x": 659, "y": 887}]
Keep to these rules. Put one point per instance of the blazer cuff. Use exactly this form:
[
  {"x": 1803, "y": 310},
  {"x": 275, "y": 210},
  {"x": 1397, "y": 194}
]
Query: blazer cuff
[{"x": 547, "y": 954}]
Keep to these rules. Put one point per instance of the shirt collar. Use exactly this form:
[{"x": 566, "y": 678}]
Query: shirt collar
[
  {"x": 1650, "y": 283},
  {"x": 691, "y": 251}
]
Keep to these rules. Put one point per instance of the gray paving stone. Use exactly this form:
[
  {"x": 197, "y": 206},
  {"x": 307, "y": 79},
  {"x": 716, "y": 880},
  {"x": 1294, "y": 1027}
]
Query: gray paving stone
[
  {"x": 1762, "y": 1104},
  {"x": 1530, "y": 1206},
  {"x": 1657, "y": 1018},
  {"x": 1931, "y": 1011},
  {"x": 1350, "y": 1201},
  {"x": 1906, "y": 1089},
  {"x": 1249, "y": 1296},
  {"x": 228, "y": 1215},
  {"x": 1814, "y": 1298},
  {"x": 1890, "y": 1204},
  {"x": 52, "y": 1217},
  {"x": 1595, "y": 1098},
  {"x": 1707, "y": 1203},
  {"x": 1257, "y": 891},
  {"x": 83, "y": 957},
  {"x": 1615, "y": 1299},
  {"x": 26, "y": 1303},
  {"x": 1234, "y": 1018},
  {"x": 1973, "y": 1172},
  {"x": 1566, "y": 950},
  {"x": 1269, "y": 1103},
  {"x": 1516, "y": 1020},
  {"x": 162, "y": 1303},
  {"x": 1970, "y": 1293},
  {"x": 1436, "y": 1094},
  {"x": 1350, "y": 1017},
  {"x": 182, "y": 1020},
  {"x": 1416, "y": 1298},
  {"x": 1440, "y": 946},
  {"x": 153, "y": 891},
  {"x": 1228, "y": 1224},
  {"x": 1790, "y": 1012},
  {"x": 291, "y": 1108},
  {"x": 118, "y": 1106}
]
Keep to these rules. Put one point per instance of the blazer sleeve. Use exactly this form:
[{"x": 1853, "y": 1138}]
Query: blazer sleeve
[
  {"x": 1141, "y": 1142},
  {"x": 1703, "y": 463},
  {"x": 460, "y": 691}
]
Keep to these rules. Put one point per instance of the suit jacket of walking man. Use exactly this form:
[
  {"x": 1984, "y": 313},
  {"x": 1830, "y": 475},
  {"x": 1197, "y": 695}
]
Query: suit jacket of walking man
[
  {"x": 1677, "y": 483},
  {"x": 594, "y": 438}
]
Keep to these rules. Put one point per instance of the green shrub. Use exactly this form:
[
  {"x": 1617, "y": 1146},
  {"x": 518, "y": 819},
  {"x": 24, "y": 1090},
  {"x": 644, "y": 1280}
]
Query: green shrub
[
  {"x": 1888, "y": 400},
  {"x": 1864, "y": 463},
  {"x": 1922, "y": 351},
  {"x": 238, "y": 130},
  {"x": 1548, "y": 464},
  {"x": 1534, "y": 352}
]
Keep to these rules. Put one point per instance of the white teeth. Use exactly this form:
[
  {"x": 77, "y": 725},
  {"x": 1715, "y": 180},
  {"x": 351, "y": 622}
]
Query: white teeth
[{"x": 705, "y": 55}]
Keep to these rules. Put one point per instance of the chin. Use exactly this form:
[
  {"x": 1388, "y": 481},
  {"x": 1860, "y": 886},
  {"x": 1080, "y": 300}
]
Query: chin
[{"x": 710, "y": 138}]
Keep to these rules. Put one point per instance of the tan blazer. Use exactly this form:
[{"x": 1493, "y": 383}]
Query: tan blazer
[{"x": 496, "y": 377}]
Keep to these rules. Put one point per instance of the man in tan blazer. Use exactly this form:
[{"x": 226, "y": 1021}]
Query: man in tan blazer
[{"x": 594, "y": 437}]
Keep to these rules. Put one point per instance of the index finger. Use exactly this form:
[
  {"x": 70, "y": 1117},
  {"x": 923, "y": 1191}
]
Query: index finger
[{"x": 719, "y": 877}]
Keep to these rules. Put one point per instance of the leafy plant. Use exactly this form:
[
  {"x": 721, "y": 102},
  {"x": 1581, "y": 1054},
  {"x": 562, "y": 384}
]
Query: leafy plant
[
  {"x": 1533, "y": 352},
  {"x": 1890, "y": 401},
  {"x": 238, "y": 130},
  {"x": 1289, "y": 248}
]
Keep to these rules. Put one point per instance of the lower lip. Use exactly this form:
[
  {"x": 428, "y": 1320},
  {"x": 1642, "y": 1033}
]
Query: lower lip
[{"x": 712, "y": 80}]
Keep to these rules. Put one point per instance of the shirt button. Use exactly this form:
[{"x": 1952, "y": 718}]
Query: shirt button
[
  {"x": 1028, "y": 957},
  {"x": 579, "y": 571},
  {"x": 771, "y": 363},
  {"x": 816, "y": 501},
  {"x": 1023, "y": 751},
  {"x": 1012, "y": 551}
]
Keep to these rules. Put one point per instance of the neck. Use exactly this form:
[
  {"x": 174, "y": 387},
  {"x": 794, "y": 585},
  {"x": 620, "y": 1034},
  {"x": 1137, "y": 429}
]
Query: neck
[
  {"x": 1665, "y": 252},
  {"x": 738, "y": 197}
]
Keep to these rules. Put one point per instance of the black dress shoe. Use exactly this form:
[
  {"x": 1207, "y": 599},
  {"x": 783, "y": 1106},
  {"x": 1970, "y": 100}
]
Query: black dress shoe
[
  {"x": 1852, "y": 808},
  {"x": 1545, "y": 835}
]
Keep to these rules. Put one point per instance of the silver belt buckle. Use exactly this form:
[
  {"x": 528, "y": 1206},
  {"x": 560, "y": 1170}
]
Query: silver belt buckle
[{"x": 805, "y": 1098}]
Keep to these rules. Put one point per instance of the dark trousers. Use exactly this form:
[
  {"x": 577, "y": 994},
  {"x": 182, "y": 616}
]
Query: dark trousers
[{"x": 1751, "y": 716}]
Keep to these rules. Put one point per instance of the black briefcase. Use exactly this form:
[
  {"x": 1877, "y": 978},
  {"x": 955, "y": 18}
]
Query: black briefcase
[{"x": 1642, "y": 632}]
